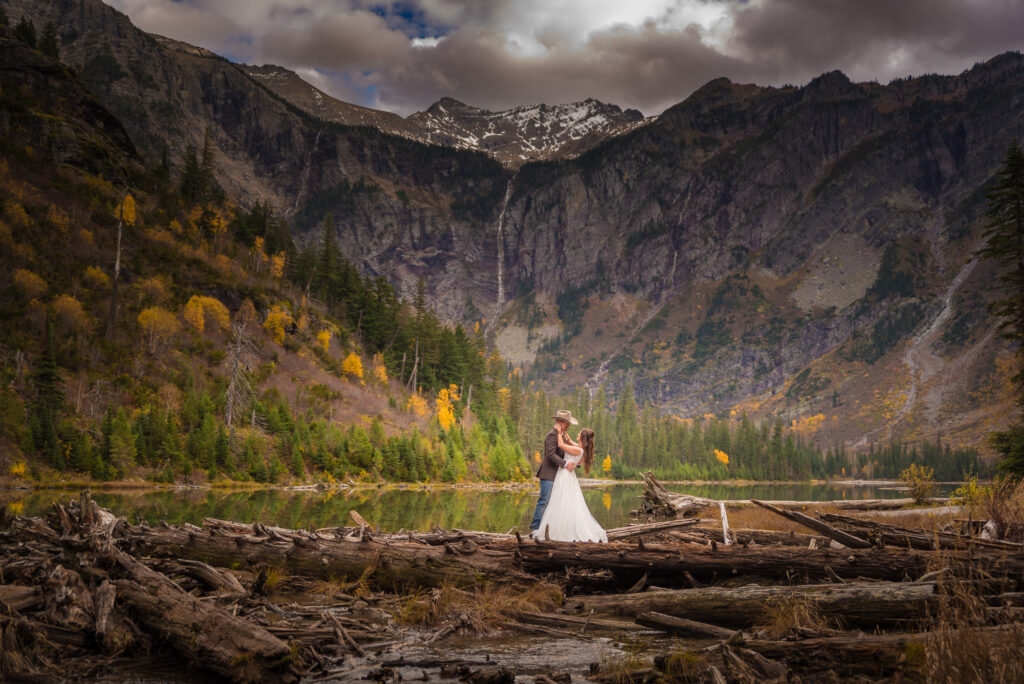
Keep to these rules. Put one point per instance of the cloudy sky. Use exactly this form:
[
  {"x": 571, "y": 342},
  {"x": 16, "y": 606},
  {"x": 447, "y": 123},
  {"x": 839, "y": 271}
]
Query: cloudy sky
[{"x": 648, "y": 54}]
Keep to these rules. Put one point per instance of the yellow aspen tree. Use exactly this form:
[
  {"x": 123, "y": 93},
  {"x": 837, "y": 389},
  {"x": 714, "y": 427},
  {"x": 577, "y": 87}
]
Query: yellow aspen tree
[
  {"x": 29, "y": 284},
  {"x": 276, "y": 322},
  {"x": 323, "y": 338},
  {"x": 157, "y": 325},
  {"x": 606, "y": 465},
  {"x": 380, "y": 371},
  {"x": 352, "y": 366},
  {"x": 721, "y": 457},
  {"x": 418, "y": 405},
  {"x": 444, "y": 406},
  {"x": 193, "y": 315},
  {"x": 199, "y": 308},
  {"x": 96, "y": 279},
  {"x": 71, "y": 314},
  {"x": 277, "y": 265}
]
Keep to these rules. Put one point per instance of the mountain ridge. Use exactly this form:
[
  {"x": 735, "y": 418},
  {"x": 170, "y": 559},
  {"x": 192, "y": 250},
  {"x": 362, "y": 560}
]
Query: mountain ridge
[
  {"x": 513, "y": 136},
  {"x": 747, "y": 237}
]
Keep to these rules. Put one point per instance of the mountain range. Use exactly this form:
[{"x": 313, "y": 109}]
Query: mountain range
[{"x": 801, "y": 251}]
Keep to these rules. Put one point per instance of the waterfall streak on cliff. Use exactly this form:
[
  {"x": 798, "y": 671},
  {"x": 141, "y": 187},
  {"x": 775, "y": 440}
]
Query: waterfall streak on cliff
[
  {"x": 307, "y": 167},
  {"x": 501, "y": 250}
]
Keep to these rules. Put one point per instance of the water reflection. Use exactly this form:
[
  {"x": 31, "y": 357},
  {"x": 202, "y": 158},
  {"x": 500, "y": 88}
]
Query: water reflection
[{"x": 410, "y": 509}]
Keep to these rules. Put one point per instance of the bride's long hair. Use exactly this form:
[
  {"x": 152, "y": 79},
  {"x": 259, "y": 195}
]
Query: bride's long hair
[{"x": 587, "y": 442}]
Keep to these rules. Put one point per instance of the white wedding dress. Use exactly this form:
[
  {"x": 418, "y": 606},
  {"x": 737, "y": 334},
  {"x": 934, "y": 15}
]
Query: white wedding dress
[{"x": 567, "y": 517}]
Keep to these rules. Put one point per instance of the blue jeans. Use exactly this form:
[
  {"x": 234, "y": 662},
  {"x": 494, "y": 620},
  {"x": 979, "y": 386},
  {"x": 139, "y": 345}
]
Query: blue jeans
[{"x": 542, "y": 502}]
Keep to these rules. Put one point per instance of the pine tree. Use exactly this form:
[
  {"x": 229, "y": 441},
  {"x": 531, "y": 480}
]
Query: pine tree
[
  {"x": 47, "y": 402},
  {"x": 1004, "y": 243},
  {"x": 25, "y": 31},
  {"x": 48, "y": 43},
  {"x": 191, "y": 177}
]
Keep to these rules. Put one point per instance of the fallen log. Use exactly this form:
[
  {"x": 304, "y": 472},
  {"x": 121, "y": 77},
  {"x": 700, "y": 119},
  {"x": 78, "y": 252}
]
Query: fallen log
[
  {"x": 577, "y": 622},
  {"x": 205, "y": 634},
  {"x": 667, "y": 565},
  {"x": 648, "y": 528},
  {"x": 844, "y": 538},
  {"x": 877, "y": 656},
  {"x": 852, "y": 504},
  {"x": 763, "y": 537},
  {"x": 917, "y": 539},
  {"x": 18, "y": 598},
  {"x": 391, "y": 564},
  {"x": 683, "y": 626},
  {"x": 865, "y": 604},
  {"x": 660, "y": 502}
]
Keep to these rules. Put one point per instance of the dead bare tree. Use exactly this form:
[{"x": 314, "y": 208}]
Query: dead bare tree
[{"x": 242, "y": 355}]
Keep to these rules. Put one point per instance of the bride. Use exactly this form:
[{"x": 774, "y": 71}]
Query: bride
[{"x": 567, "y": 517}]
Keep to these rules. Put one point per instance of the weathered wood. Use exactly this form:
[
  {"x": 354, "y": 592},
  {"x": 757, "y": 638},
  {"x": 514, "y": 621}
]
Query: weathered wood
[
  {"x": 658, "y": 501},
  {"x": 854, "y": 504},
  {"x": 203, "y": 633},
  {"x": 866, "y": 604},
  {"x": 843, "y": 538},
  {"x": 18, "y": 598},
  {"x": 209, "y": 577},
  {"x": 917, "y": 539},
  {"x": 392, "y": 564},
  {"x": 855, "y": 655},
  {"x": 667, "y": 565},
  {"x": 649, "y": 528},
  {"x": 683, "y": 626},
  {"x": 570, "y": 621},
  {"x": 763, "y": 537}
]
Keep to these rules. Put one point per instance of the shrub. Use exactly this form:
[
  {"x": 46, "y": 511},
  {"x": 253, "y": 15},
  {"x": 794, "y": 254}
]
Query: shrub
[{"x": 920, "y": 480}]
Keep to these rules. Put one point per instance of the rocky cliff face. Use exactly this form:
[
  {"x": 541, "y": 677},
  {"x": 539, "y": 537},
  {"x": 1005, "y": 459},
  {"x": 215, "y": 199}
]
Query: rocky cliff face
[{"x": 746, "y": 238}]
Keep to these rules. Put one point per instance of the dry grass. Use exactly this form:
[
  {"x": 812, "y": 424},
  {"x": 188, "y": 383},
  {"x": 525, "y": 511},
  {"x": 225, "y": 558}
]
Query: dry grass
[
  {"x": 12, "y": 659},
  {"x": 1001, "y": 502},
  {"x": 787, "y": 613},
  {"x": 618, "y": 668},
  {"x": 480, "y": 609},
  {"x": 757, "y": 518},
  {"x": 960, "y": 647}
]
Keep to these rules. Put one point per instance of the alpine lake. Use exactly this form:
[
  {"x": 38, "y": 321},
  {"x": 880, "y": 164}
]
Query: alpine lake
[{"x": 413, "y": 507}]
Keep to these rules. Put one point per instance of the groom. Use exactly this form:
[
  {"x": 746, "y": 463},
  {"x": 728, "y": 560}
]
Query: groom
[{"x": 554, "y": 458}]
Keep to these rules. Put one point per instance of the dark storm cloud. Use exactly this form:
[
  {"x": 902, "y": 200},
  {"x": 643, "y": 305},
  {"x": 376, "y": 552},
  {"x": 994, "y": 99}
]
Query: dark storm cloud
[{"x": 647, "y": 54}]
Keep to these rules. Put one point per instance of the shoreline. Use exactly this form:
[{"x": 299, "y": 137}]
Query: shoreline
[{"x": 527, "y": 485}]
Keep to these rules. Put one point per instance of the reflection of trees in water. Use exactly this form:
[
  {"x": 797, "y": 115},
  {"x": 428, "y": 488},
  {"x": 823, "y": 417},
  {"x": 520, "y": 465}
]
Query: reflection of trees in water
[{"x": 411, "y": 509}]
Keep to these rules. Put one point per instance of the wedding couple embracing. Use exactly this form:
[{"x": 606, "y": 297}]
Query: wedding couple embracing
[{"x": 561, "y": 510}]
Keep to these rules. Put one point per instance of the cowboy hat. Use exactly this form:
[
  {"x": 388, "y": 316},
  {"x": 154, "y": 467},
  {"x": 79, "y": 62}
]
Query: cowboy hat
[{"x": 562, "y": 414}]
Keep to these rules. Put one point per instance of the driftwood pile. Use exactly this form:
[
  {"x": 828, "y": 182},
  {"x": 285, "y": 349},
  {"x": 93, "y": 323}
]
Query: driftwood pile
[{"x": 84, "y": 593}]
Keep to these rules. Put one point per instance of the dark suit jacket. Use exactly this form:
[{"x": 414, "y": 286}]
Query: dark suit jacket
[{"x": 554, "y": 458}]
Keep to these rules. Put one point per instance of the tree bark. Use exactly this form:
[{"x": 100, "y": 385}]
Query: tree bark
[
  {"x": 667, "y": 565},
  {"x": 864, "y": 604},
  {"x": 844, "y": 538},
  {"x": 658, "y": 501},
  {"x": 683, "y": 626},
  {"x": 648, "y": 528},
  {"x": 916, "y": 539},
  {"x": 401, "y": 564},
  {"x": 205, "y": 634}
]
